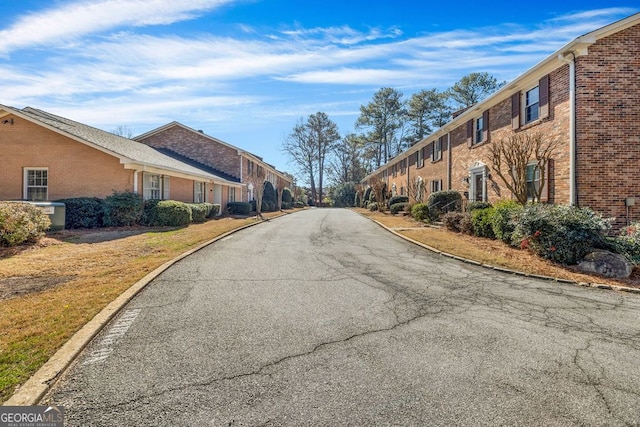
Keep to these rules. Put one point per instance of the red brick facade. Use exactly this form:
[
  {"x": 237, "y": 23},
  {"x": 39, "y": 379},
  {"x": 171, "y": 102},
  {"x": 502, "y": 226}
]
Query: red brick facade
[{"x": 607, "y": 131}]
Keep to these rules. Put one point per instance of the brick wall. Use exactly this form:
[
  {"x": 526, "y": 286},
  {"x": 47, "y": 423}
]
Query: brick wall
[
  {"x": 608, "y": 125},
  {"x": 199, "y": 147},
  {"x": 75, "y": 170}
]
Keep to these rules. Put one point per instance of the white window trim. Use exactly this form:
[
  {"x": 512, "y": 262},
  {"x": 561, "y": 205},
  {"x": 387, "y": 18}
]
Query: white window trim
[
  {"x": 477, "y": 130},
  {"x": 163, "y": 189},
  {"x": 199, "y": 190},
  {"x": 25, "y": 180},
  {"x": 478, "y": 169}
]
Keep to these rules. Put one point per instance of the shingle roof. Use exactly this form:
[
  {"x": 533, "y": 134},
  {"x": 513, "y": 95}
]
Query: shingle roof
[
  {"x": 117, "y": 145},
  {"x": 198, "y": 164}
]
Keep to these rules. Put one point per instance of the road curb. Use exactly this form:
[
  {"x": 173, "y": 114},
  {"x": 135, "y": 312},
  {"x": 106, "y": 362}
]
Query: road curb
[
  {"x": 506, "y": 270},
  {"x": 34, "y": 389}
]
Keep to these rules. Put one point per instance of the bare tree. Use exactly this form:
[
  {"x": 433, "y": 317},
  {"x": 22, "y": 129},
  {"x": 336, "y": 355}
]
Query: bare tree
[
  {"x": 379, "y": 189},
  {"x": 300, "y": 148},
  {"x": 280, "y": 186},
  {"x": 511, "y": 156},
  {"x": 123, "y": 131}
]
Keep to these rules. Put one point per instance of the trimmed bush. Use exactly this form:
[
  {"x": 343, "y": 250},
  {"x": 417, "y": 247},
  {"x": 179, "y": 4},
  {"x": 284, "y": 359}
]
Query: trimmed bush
[
  {"x": 472, "y": 206},
  {"x": 122, "y": 209},
  {"x": 564, "y": 234},
  {"x": 287, "y": 197},
  {"x": 442, "y": 202},
  {"x": 367, "y": 195},
  {"x": 298, "y": 205},
  {"x": 168, "y": 213},
  {"x": 451, "y": 221},
  {"x": 482, "y": 223},
  {"x": 504, "y": 219},
  {"x": 398, "y": 207},
  {"x": 269, "y": 193},
  {"x": 199, "y": 212},
  {"x": 372, "y": 206},
  {"x": 212, "y": 209},
  {"x": 83, "y": 212},
  {"x": 397, "y": 199},
  {"x": 22, "y": 223},
  {"x": 420, "y": 212},
  {"x": 239, "y": 208}
]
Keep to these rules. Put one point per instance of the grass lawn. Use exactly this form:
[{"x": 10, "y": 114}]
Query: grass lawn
[{"x": 49, "y": 291}]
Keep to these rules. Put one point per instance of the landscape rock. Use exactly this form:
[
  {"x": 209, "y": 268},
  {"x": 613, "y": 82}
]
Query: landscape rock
[{"x": 606, "y": 264}]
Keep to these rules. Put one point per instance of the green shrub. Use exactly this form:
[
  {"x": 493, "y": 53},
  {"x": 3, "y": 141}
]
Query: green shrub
[
  {"x": 168, "y": 213},
  {"x": 372, "y": 206},
  {"x": 213, "y": 209},
  {"x": 442, "y": 202},
  {"x": 398, "y": 207},
  {"x": 269, "y": 194},
  {"x": 199, "y": 212},
  {"x": 356, "y": 200},
  {"x": 504, "y": 219},
  {"x": 561, "y": 233},
  {"x": 287, "y": 197},
  {"x": 22, "y": 223},
  {"x": 627, "y": 243},
  {"x": 122, "y": 209},
  {"x": 482, "y": 222},
  {"x": 298, "y": 205},
  {"x": 83, "y": 212},
  {"x": 472, "y": 206},
  {"x": 420, "y": 212},
  {"x": 239, "y": 208},
  {"x": 397, "y": 199},
  {"x": 451, "y": 221},
  {"x": 367, "y": 195}
]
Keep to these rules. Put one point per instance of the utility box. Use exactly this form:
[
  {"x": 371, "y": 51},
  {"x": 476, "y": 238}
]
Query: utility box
[{"x": 56, "y": 212}]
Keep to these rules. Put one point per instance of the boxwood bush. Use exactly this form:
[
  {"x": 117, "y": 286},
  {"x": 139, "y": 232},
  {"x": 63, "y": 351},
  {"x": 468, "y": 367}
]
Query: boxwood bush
[
  {"x": 472, "y": 206},
  {"x": 397, "y": 199},
  {"x": 83, "y": 212},
  {"x": 504, "y": 219},
  {"x": 627, "y": 243},
  {"x": 166, "y": 213},
  {"x": 420, "y": 212},
  {"x": 372, "y": 206},
  {"x": 459, "y": 222},
  {"x": 22, "y": 223},
  {"x": 239, "y": 208},
  {"x": 398, "y": 207},
  {"x": 482, "y": 222},
  {"x": 561, "y": 233},
  {"x": 122, "y": 209},
  {"x": 199, "y": 211}
]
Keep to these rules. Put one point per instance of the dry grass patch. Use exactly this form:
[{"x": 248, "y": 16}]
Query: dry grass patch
[
  {"x": 491, "y": 252},
  {"x": 49, "y": 291}
]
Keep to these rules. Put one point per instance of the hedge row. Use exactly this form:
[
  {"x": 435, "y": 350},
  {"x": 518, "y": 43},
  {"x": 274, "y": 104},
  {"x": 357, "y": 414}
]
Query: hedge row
[
  {"x": 563, "y": 234},
  {"x": 128, "y": 208}
]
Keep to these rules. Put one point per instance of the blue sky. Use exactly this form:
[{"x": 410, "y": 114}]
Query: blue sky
[{"x": 245, "y": 71}]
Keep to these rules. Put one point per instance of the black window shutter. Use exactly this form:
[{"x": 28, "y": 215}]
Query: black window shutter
[
  {"x": 470, "y": 133},
  {"x": 515, "y": 110},
  {"x": 543, "y": 90}
]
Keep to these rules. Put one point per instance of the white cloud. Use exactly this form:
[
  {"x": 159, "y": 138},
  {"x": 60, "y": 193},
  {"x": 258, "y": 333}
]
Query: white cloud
[{"x": 77, "y": 19}]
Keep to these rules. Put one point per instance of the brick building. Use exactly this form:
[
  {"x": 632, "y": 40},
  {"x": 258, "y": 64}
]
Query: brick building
[
  {"x": 585, "y": 96},
  {"x": 48, "y": 157},
  {"x": 227, "y": 160}
]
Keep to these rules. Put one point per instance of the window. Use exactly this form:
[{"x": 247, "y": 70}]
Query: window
[
  {"x": 232, "y": 194},
  {"x": 436, "y": 185},
  {"x": 155, "y": 187},
  {"x": 477, "y": 137},
  {"x": 36, "y": 184},
  {"x": 436, "y": 152},
  {"x": 403, "y": 166},
  {"x": 420, "y": 158},
  {"x": 198, "y": 192},
  {"x": 532, "y": 104},
  {"x": 249, "y": 167},
  {"x": 478, "y": 130},
  {"x": 478, "y": 183},
  {"x": 535, "y": 181}
]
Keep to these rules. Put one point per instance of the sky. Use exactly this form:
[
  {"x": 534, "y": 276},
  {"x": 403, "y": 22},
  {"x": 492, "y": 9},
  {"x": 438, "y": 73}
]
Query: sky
[{"x": 246, "y": 71}]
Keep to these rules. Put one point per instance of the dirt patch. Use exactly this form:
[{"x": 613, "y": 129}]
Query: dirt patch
[{"x": 13, "y": 287}]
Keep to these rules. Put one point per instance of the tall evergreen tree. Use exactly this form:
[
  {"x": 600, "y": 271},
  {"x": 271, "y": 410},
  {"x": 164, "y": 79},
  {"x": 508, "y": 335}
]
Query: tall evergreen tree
[{"x": 473, "y": 88}]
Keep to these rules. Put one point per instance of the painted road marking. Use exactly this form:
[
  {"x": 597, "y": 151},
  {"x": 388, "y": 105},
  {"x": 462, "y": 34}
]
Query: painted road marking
[{"x": 115, "y": 333}]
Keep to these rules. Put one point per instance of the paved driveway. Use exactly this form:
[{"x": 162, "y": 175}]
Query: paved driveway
[{"x": 324, "y": 318}]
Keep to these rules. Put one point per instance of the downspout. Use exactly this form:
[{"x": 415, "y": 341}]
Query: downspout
[
  {"x": 573, "y": 190},
  {"x": 449, "y": 160},
  {"x": 135, "y": 181}
]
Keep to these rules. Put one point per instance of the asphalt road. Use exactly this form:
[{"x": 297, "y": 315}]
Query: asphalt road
[{"x": 323, "y": 318}]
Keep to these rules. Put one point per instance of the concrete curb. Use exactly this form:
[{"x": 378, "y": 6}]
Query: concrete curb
[
  {"x": 34, "y": 389},
  {"x": 506, "y": 270}
]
